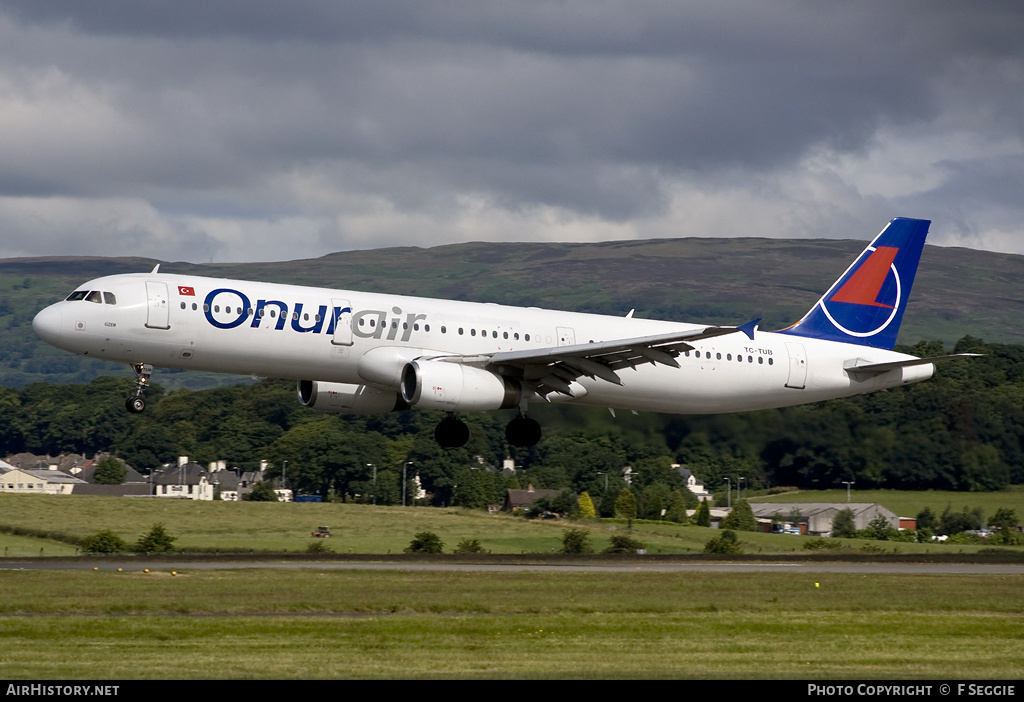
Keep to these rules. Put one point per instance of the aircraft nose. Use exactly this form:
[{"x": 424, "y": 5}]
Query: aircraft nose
[{"x": 47, "y": 324}]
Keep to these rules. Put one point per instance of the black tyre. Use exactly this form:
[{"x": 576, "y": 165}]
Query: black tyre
[
  {"x": 523, "y": 432},
  {"x": 451, "y": 433}
]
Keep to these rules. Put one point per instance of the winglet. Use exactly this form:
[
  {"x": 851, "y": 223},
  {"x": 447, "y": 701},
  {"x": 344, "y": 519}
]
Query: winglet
[
  {"x": 156, "y": 269},
  {"x": 749, "y": 328}
]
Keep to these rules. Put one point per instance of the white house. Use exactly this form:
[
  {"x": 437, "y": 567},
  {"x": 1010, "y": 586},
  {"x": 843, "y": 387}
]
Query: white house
[
  {"x": 38, "y": 482},
  {"x": 188, "y": 481},
  {"x": 695, "y": 486}
]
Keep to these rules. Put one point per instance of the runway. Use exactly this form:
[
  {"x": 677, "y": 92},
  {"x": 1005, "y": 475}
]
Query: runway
[{"x": 631, "y": 566}]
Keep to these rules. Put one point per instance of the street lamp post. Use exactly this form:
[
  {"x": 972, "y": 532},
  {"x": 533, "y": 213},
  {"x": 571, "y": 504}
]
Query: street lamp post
[
  {"x": 374, "y": 465},
  {"x": 405, "y": 480},
  {"x": 847, "y": 484}
]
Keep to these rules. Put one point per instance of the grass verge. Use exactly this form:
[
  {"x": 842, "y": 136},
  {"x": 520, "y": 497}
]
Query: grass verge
[{"x": 357, "y": 624}]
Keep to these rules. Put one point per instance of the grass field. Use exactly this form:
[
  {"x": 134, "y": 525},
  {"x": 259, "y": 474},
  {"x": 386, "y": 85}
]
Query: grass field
[
  {"x": 336, "y": 623},
  {"x": 242, "y": 527},
  {"x": 355, "y": 624}
]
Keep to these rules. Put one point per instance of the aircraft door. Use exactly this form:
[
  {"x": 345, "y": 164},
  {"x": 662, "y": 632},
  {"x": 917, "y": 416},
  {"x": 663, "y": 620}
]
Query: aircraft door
[
  {"x": 797, "y": 366},
  {"x": 158, "y": 311},
  {"x": 566, "y": 336},
  {"x": 342, "y": 313}
]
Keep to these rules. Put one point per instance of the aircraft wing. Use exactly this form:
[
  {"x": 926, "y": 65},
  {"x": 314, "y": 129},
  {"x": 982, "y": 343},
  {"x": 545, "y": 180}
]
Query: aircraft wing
[{"x": 552, "y": 369}]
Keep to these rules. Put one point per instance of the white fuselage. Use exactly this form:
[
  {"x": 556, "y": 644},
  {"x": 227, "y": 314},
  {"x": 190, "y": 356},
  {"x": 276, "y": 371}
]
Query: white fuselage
[{"x": 288, "y": 331}]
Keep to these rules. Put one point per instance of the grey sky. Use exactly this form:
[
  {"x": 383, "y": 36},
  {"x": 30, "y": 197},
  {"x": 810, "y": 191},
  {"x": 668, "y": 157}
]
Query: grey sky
[{"x": 235, "y": 130}]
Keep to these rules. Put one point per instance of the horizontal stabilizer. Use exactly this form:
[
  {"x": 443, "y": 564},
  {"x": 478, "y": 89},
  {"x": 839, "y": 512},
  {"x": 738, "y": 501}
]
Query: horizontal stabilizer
[{"x": 858, "y": 366}]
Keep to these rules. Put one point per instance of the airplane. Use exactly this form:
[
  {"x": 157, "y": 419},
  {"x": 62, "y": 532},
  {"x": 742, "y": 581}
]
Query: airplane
[{"x": 357, "y": 353}]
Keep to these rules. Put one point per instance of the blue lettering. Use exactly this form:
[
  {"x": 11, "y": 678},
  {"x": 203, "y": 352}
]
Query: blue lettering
[
  {"x": 261, "y": 310},
  {"x": 367, "y": 324},
  {"x": 319, "y": 319},
  {"x": 242, "y": 311}
]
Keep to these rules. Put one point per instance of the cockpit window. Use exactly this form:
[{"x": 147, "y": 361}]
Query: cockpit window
[
  {"x": 109, "y": 298},
  {"x": 94, "y": 296},
  {"x": 78, "y": 295}
]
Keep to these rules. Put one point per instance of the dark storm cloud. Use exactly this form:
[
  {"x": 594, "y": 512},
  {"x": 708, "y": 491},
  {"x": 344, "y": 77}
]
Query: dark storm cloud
[{"x": 632, "y": 114}]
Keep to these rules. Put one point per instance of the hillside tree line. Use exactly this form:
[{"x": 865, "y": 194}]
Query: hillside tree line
[{"x": 962, "y": 430}]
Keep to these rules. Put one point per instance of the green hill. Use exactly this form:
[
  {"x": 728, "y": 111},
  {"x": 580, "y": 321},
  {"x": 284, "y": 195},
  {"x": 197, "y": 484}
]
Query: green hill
[{"x": 729, "y": 281}]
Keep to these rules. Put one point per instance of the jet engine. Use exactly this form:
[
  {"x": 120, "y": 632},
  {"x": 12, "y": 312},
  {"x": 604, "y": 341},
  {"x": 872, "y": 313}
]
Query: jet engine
[
  {"x": 344, "y": 398},
  {"x": 455, "y": 386}
]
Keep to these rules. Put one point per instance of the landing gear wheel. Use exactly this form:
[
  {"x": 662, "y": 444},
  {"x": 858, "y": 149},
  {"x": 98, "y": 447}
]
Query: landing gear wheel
[
  {"x": 451, "y": 432},
  {"x": 137, "y": 403},
  {"x": 522, "y": 431}
]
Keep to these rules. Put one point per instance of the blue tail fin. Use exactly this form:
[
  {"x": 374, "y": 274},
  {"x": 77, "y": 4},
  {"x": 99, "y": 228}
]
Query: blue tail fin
[{"x": 865, "y": 306}]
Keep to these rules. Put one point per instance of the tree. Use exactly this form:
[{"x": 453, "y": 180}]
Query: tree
[
  {"x": 965, "y": 520},
  {"x": 624, "y": 544},
  {"x": 702, "y": 517},
  {"x": 586, "y": 506},
  {"x": 740, "y": 518},
  {"x": 677, "y": 507},
  {"x": 469, "y": 546},
  {"x": 879, "y": 528},
  {"x": 110, "y": 471},
  {"x": 1004, "y": 518},
  {"x": 726, "y": 543},
  {"x": 625, "y": 505},
  {"x": 565, "y": 503},
  {"x": 327, "y": 455},
  {"x": 926, "y": 519},
  {"x": 1005, "y": 523},
  {"x": 104, "y": 541},
  {"x": 576, "y": 541},
  {"x": 426, "y": 542},
  {"x": 156, "y": 541},
  {"x": 843, "y": 525},
  {"x": 263, "y": 491}
]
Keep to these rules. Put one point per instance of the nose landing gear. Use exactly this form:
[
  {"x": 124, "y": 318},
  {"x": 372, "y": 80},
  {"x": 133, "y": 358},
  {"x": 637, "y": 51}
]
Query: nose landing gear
[{"x": 137, "y": 403}]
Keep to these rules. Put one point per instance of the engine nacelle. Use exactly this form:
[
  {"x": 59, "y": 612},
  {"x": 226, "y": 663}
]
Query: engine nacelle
[
  {"x": 343, "y": 398},
  {"x": 454, "y": 386}
]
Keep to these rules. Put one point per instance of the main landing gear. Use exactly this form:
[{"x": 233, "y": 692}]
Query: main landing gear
[
  {"x": 137, "y": 403},
  {"x": 452, "y": 432},
  {"x": 522, "y": 431}
]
